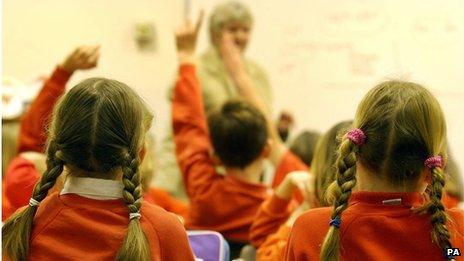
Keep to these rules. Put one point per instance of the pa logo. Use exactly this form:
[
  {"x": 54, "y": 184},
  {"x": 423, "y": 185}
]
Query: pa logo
[{"x": 452, "y": 252}]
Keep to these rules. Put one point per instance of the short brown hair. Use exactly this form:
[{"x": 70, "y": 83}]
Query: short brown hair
[
  {"x": 304, "y": 144},
  {"x": 238, "y": 133}
]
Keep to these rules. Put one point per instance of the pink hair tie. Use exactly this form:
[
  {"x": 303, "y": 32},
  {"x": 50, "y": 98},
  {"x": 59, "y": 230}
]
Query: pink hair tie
[
  {"x": 357, "y": 136},
  {"x": 434, "y": 162}
]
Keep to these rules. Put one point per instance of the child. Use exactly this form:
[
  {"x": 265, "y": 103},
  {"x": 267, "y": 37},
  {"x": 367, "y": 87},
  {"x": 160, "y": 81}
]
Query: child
[
  {"x": 25, "y": 169},
  {"x": 239, "y": 135},
  {"x": 97, "y": 137},
  {"x": 273, "y": 222},
  {"x": 304, "y": 144},
  {"x": 397, "y": 146}
]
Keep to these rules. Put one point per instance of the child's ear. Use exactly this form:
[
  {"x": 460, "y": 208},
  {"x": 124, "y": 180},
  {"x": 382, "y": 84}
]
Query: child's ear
[
  {"x": 266, "y": 152},
  {"x": 215, "y": 158}
]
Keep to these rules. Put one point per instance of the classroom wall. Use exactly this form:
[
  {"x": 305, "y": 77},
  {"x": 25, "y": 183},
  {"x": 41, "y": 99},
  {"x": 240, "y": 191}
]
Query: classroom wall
[
  {"x": 39, "y": 34},
  {"x": 321, "y": 55}
]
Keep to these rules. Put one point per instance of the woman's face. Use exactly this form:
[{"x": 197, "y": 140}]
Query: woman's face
[{"x": 240, "y": 33}]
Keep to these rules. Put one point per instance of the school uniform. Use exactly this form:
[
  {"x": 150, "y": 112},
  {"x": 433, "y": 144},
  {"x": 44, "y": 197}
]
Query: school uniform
[
  {"x": 226, "y": 203},
  {"x": 375, "y": 226},
  {"x": 270, "y": 216},
  {"x": 88, "y": 220}
]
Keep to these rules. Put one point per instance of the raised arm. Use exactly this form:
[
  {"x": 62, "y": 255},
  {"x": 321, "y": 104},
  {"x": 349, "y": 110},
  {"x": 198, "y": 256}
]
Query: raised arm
[
  {"x": 234, "y": 64},
  {"x": 32, "y": 135},
  {"x": 191, "y": 137}
]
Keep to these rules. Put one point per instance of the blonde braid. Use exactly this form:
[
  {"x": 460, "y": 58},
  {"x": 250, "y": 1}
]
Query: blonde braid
[
  {"x": 346, "y": 180},
  {"x": 17, "y": 229},
  {"x": 440, "y": 233},
  {"x": 135, "y": 246}
]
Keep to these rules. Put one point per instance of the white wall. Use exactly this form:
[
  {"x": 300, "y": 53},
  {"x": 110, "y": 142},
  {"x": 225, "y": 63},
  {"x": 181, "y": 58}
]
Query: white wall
[
  {"x": 321, "y": 55},
  {"x": 39, "y": 34}
]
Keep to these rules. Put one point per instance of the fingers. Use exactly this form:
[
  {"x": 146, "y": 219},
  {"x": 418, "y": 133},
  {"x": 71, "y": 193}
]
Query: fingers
[{"x": 94, "y": 56}]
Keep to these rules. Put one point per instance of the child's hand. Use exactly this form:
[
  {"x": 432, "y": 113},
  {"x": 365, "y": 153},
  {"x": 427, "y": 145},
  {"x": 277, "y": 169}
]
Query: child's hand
[
  {"x": 186, "y": 39},
  {"x": 231, "y": 55},
  {"x": 301, "y": 180},
  {"x": 82, "y": 58}
]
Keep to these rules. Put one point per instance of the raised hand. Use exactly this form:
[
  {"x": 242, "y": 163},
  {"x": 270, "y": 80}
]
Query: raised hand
[
  {"x": 82, "y": 58},
  {"x": 301, "y": 180},
  {"x": 186, "y": 39}
]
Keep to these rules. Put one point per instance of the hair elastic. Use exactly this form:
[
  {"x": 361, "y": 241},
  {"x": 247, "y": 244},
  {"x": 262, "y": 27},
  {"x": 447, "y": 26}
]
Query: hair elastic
[
  {"x": 434, "y": 162},
  {"x": 134, "y": 215},
  {"x": 357, "y": 136},
  {"x": 33, "y": 202},
  {"x": 336, "y": 222}
]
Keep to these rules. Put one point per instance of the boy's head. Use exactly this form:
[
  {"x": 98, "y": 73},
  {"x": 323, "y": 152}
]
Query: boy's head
[
  {"x": 239, "y": 134},
  {"x": 304, "y": 144}
]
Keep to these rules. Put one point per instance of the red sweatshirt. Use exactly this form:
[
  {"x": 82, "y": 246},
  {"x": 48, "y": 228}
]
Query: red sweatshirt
[
  {"x": 21, "y": 174},
  {"x": 77, "y": 228},
  {"x": 221, "y": 203},
  {"x": 371, "y": 230},
  {"x": 270, "y": 216}
]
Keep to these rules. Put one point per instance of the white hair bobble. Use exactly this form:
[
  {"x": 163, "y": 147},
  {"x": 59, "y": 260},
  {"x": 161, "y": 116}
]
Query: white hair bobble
[
  {"x": 33, "y": 202},
  {"x": 134, "y": 215}
]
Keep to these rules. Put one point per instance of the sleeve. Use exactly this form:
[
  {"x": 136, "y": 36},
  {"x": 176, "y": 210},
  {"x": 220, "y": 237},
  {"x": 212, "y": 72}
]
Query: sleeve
[
  {"x": 261, "y": 80},
  {"x": 32, "y": 134},
  {"x": 271, "y": 214},
  {"x": 273, "y": 249},
  {"x": 191, "y": 136},
  {"x": 20, "y": 179}
]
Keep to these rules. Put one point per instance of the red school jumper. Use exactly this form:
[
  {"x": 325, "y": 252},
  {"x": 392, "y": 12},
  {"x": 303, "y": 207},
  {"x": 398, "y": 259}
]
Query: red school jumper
[
  {"x": 221, "y": 203},
  {"x": 78, "y": 228},
  {"x": 372, "y": 230}
]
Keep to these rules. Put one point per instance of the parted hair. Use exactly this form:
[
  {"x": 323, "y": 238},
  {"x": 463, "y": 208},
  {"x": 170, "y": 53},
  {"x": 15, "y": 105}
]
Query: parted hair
[
  {"x": 404, "y": 125},
  {"x": 238, "y": 133},
  {"x": 98, "y": 127}
]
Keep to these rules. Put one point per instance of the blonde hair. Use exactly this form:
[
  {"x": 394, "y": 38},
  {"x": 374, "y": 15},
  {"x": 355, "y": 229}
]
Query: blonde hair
[
  {"x": 404, "y": 125},
  {"x": 323, "y": 163},
  {"x": 97, "y": 127},
  {"x": 226, "y": 13},
  {"x": 148, "y": 166}
]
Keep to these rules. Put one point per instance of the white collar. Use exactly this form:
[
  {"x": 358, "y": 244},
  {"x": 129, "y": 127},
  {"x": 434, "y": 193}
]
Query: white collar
[{"x": 102, "y": 189}]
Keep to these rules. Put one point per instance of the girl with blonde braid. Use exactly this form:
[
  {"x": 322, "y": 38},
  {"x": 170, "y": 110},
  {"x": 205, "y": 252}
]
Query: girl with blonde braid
[
  {"x": 381, "y": 210},
  {"x": 97, "y": 137}
]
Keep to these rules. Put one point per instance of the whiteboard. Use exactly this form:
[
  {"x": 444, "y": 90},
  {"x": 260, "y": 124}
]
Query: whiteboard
[{"x": 323, "y": 55}]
